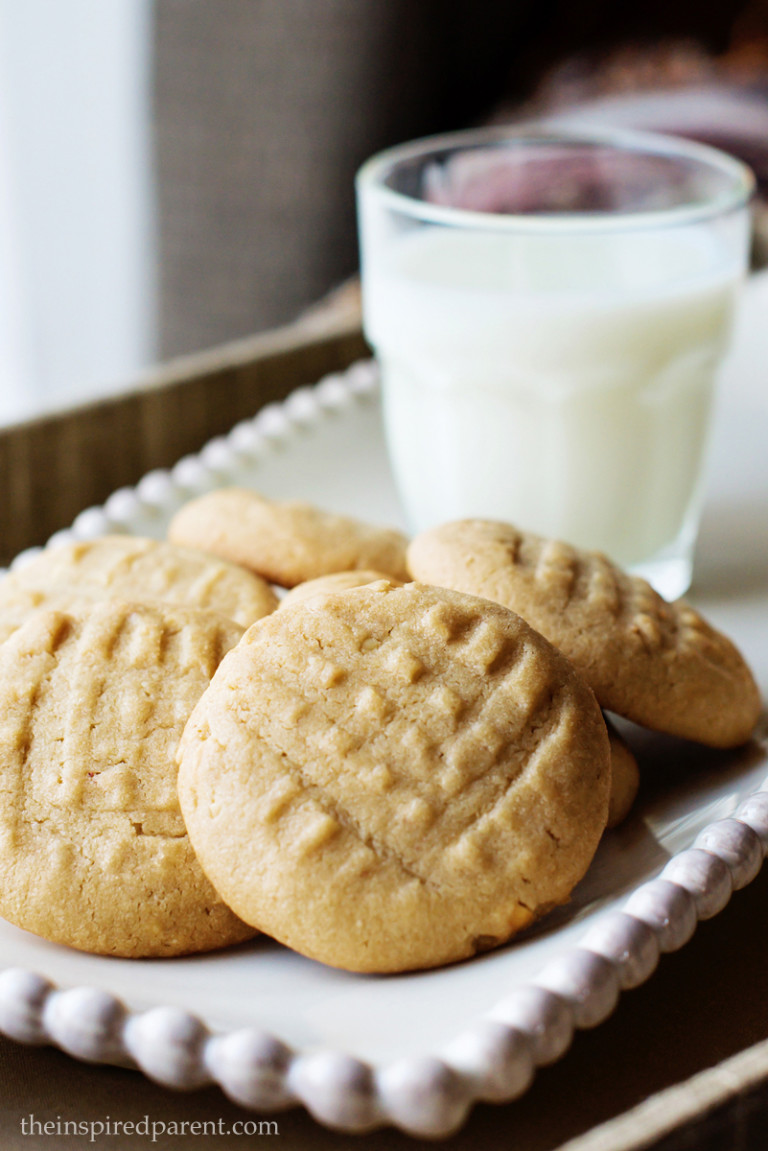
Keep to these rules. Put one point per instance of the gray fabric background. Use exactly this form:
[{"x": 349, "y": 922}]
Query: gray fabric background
[{"x": 264, "y": 110}]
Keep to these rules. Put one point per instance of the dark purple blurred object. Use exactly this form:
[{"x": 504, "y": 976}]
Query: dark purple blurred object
[
  {"x": 703, "y": 101},
  {"x": 573, "y": 177}
]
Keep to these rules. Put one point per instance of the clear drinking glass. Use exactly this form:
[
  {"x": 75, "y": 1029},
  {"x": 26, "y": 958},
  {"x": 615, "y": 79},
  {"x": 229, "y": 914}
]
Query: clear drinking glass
[{"x": 549, "y": 310}]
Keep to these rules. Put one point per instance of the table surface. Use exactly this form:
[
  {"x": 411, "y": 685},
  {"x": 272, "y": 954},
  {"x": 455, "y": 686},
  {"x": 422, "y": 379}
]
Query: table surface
[{"x": 704, "y": 1003}]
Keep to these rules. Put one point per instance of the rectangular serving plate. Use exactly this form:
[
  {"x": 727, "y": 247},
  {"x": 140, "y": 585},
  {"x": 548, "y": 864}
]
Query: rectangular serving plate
[{"x": 326, "y": 444}]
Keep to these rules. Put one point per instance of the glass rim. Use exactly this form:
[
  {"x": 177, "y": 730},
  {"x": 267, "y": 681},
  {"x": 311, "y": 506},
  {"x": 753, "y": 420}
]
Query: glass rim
[{"x": 370, "y": 177}]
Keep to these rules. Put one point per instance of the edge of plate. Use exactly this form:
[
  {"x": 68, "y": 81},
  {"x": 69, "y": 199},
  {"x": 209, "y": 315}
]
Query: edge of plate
[{"x": 495, "y": 1060}]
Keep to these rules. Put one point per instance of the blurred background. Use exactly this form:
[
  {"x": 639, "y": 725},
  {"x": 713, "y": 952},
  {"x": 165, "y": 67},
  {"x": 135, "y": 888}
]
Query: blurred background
[{"x": 179, "y": 173}]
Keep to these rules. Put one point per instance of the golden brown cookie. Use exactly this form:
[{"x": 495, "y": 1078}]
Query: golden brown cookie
[
  {"x": 657, "y": 663},
  {"x": 625, "y": 777},
  {"x": 287, "y": 542},
  {"x": 391, "y": 778},
  {"x": 18, "y": 603},
  {"x": 132, "y": 567},
  {"x": 93, "y": 848},
  {"x": 337, "y": 581}
]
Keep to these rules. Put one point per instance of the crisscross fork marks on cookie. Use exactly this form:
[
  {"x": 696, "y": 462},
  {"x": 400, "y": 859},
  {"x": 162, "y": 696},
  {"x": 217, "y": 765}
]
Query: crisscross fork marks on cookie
[
  {"x": 511, "y": 715},
  {"x": 365, "y": 705},
  {"x": 101, "y": 770},
  {"x": 480, "y": 838},
  {"x": 653, "y": 662},
  {"x": 425, "y": 826},
  {"x": 130, "y": 567},
  {"x": 33, "y": 655},
  {"x": 500, "y": 777},
  {"x": 93, "y": 847},
  {"x": 362, "y": 732},
  {"x": 591, "y": 581},
  {"x": 554, "y": 569},
  {"x": 309, "y": 798},
  {"x": 418, "y": 873},
  {"x": 701, "y": 641},
  {"x": 97, "y": 772}
]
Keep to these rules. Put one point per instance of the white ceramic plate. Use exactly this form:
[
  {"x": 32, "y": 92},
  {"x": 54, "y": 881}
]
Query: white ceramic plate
[{"x": 273, "y": 1028}]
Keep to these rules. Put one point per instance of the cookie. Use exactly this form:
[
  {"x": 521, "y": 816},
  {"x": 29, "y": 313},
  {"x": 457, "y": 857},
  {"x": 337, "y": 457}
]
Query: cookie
[
  {"x": 657, "y": 663},
  {"x": 388, "y": 779},
  {"x": 18, "y": 603},
  {"x": 625, "y": 778},
  {"x": 135, "y": 568},
  {"x": 285, "y": 542},
  {"x": 338, "y": 581},
  {"x": 93, "y": 848}
]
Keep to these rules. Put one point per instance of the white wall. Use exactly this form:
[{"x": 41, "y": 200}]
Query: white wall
[{"x": 76, "y": 253}]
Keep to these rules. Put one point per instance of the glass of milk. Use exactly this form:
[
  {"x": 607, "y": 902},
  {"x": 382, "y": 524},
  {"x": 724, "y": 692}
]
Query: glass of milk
[{"x": 549, "y": 310}]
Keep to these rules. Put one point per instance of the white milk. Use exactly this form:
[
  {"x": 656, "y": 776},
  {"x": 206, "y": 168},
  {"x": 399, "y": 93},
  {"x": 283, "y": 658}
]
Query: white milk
[{"x": 560, "y": 382}]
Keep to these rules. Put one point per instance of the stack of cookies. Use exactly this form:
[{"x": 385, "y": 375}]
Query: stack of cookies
[
  {"x": 106, "y": 647},
  {"x": 382, "y": 774}
]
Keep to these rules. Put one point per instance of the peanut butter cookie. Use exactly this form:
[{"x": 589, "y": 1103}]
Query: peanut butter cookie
[
  {"x": 625, "y": 777},
  {"x": 337, "y": 581},
  {"x": 135, "y": 568},
  {"x": 287, "y": 542},
  {"x": 93, "y": 848},
  {"x": 18, "y": 603},
  {"x": 391, "y": 778},
  {"x": 657, "y": 663}
]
